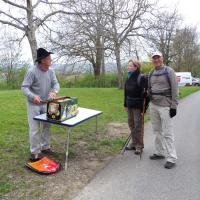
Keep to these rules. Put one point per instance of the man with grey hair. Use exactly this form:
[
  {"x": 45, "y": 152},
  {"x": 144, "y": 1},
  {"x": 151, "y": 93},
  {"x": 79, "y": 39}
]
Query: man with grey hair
[{"x": 163, "y": 90}]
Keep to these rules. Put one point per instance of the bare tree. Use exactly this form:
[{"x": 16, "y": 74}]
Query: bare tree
[
  {"x": 10, "y": 56},
  {"x": 186, "y": 49},
  {"x": 108, "y": 27},
  {"x": 127, "y": 19},
  {"x": 23, "y": 15},
  {"x": 86, "y": 36},
  {"x": 162, "y": 33}
]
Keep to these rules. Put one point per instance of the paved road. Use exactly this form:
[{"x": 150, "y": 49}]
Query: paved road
[{"x": 129, "y": 178}]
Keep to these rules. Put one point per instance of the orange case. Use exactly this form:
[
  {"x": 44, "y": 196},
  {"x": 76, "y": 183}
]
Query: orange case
[{"x": 44, "y": 166}]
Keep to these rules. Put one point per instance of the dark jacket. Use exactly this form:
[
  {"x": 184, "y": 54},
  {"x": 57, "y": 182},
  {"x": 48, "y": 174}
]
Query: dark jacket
[{"x": 134, "y": 90}]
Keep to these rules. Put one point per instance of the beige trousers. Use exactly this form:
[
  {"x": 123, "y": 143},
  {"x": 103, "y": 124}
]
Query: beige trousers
[{"x": 163, "y": 129}]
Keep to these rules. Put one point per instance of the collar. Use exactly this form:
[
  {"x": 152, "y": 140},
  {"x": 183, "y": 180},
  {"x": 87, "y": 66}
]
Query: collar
[
  {"x": 159, "y": 67},
  {"x": 133, "y": 74},
  {"x": 130, "y": 74}
]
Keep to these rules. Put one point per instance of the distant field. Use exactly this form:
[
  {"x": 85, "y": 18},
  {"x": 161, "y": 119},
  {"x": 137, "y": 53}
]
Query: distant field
[{"x": 14, "y": 148}]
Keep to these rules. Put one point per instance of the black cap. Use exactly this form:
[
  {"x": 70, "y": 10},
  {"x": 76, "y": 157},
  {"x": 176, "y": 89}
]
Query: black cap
[{"x": 42, "y": 53}]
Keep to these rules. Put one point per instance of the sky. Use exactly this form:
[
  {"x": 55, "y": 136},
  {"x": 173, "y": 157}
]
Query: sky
[{"x": 188, "y": 9}]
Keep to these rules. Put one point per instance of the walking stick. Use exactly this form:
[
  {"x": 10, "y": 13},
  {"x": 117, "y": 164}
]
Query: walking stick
[
  {"x": 142, "y": 126},
  {"x": 125, "y": 145}
]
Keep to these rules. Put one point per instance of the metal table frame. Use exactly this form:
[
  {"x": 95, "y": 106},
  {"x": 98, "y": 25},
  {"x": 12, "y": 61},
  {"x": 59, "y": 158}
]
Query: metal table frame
[{"x": 70, "y": 124}]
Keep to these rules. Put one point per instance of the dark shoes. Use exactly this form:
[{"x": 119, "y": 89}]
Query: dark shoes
[
  {"x": 130, "y": 148},
  {"x": 156, "y": 157},
  {"x": 138, "y": 151},
  {"x": 35, "y": 157},
  {"x": 169, "y": 165},
  {"x": 48, "y": 151},
  {"x": 38, "y": 156}
]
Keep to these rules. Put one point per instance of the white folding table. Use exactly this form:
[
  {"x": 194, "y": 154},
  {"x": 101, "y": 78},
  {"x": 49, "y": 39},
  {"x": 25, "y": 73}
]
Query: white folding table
[{"x": 83, "y": 115}]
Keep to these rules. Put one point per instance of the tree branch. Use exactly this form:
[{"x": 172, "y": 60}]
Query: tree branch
[
  {"x": 12, "y": 24},
  {"x": 37, "y": 3},
  {"x": 56, "y": 12},
  {"x": 54, "y": 3},
  {"x": 1, "y": 12},
  {"x": 15, "y": 5}
]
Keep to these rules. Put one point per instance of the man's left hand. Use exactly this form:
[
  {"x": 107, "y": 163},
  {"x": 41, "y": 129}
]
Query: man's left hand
[
  {"x": 52, "y": 95},
  {"x": 172, "y": 112}
]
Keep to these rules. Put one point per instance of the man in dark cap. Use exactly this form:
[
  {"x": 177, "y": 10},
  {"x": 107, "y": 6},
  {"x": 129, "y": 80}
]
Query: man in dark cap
[{"x": 40, "y": 84}]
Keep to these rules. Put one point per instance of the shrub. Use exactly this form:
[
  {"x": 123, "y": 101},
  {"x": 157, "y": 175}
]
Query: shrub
[{"x": 88, "y": 80}]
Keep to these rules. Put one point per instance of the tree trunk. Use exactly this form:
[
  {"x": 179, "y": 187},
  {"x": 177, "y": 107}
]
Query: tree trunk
[
  {"x": 97, "y": 66},
  {"x": 30, "y": 31},
  {"x": 103, "y": 58},
  {"x": 33, "y": 44},
  {"x": 119, "y": 67},
  {"x": 137, "y": 55},
  {"x": 179, "y": 63},
  {"x": 96, "y": 69}
]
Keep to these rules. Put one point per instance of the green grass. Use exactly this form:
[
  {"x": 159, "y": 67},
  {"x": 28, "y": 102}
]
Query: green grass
[
  {"x": 185, "y": 91},
  {"x": 14, "y": 147}
]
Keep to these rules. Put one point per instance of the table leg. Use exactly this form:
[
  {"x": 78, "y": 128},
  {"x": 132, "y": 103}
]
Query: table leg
[
  {"x": 67, "y": 150},
  {"x": 96, "y": 124}
]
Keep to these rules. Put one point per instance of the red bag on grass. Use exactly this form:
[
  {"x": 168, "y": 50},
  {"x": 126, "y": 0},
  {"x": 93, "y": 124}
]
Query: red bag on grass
[{"x": 44, "y": 166}]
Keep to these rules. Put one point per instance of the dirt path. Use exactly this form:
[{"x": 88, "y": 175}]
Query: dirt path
[{"x": 81, "y": 170}]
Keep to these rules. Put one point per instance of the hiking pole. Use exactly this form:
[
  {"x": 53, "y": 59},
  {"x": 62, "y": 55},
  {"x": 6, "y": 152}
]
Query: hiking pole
[
  {"x": 125, "y": 145},
  {"x": 142, "y": 127}
]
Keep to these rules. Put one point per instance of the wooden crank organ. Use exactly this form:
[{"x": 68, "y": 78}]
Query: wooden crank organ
[{"x": 62, "y": 108}]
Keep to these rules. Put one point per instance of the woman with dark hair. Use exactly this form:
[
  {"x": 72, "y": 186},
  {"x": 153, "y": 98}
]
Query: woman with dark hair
[{"x": 134, "y": 94}]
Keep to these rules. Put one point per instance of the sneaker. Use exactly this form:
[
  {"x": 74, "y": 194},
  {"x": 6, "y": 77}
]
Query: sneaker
[
  {"x": 130, "y": 148},
  {"x": 156, "y": 157},
  {"x": 169, "y": 165},
  {"x": 48, "y": 151},
  {"x": 35, "y": 157}
]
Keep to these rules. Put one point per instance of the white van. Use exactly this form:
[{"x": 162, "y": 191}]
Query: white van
[{"x": 184, "y": 78}]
